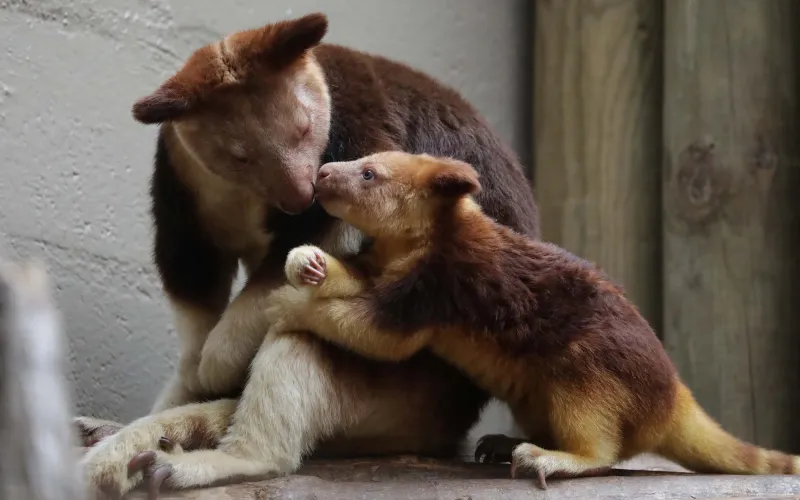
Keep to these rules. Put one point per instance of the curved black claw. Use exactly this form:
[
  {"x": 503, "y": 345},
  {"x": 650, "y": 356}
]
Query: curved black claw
[{"x": 155, "y": 478}]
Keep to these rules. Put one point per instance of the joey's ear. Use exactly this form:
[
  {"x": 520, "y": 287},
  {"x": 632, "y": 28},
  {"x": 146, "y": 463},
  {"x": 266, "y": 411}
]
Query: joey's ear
[
  {"x": 454, "y": 178},
  {"x": 163, "y": 105},
  {"x": 287, "y": 41}
]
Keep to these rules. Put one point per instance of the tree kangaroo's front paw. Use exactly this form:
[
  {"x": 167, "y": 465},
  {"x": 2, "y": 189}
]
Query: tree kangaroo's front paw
[
  {"x": 496, "y": 448},
  {"x": 92, "y": 430},
  {"x": 305, "y": 265},
  {"x": 106, "y": 468}
]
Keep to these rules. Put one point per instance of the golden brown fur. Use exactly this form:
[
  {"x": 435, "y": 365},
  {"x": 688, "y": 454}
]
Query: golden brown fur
[{"x": 538, "y": 327}]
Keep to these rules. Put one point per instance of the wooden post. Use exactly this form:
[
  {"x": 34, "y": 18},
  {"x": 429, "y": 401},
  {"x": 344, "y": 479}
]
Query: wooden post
[
  {"x": 731, "y": 204},
  {"x": 597, "y": 137}
]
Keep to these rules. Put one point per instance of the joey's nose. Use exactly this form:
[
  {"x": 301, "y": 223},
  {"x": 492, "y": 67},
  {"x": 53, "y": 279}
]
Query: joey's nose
[{"x": 323, "y": 172}]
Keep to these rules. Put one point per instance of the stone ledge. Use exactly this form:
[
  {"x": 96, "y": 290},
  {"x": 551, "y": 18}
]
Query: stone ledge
[{"x": 407, "y": 478}]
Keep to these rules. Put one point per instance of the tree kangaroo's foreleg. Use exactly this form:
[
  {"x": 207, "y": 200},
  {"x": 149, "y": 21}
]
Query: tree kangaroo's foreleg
[{"x": 232, "y": 344}]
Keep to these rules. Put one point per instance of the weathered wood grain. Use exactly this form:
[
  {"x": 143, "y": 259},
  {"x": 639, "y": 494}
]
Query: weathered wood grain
[
  {"x": 597, "y": 136},
  {"x": 731, "y": 206}
]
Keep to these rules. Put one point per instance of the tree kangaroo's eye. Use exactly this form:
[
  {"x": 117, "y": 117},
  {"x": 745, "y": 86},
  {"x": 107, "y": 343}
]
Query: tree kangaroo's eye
[
  {"x": 239, "y": 155},
  {"x": 368, "y": 174}
]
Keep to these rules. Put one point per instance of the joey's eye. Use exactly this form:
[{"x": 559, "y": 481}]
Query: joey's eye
[{"x": 368, "y": 174}]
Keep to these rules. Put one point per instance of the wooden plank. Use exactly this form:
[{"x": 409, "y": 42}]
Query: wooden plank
[
  {"x": 731, "y": 200},
  {"x": 39, "y": 458},
  {"x": 597, "y": 136}
]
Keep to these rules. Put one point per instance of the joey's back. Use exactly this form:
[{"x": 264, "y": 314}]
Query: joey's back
[{"x": 521, "y": 302}]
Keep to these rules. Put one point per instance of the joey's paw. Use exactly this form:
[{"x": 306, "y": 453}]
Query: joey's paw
[
  {"x": 529, "y": 458},
  {"x": 306, "y": 266},
  {"x": 93, "y": 430},
  {"x": 495, "y": 448},
  {"x": 532, "y": 459}
]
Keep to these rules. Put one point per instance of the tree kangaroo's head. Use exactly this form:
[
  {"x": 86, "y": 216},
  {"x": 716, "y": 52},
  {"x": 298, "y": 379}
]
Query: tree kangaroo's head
[{"x": 253, "y": 109}]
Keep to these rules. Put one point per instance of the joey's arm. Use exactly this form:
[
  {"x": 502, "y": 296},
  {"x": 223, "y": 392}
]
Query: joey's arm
[
  {"x": 349, "y": 323},
  {"x": 328, "y": 300}
]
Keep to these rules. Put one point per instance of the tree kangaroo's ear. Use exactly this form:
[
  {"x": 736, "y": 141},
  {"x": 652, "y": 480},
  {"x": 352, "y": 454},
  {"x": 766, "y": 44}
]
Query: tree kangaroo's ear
[
  {"x": 161, "y": 106},
  {"x": 239, "y": 56},
  {"x": 287, "y": 41},
  {"x": 203, "y": 72},
  {"x": 453, "y": 178}
]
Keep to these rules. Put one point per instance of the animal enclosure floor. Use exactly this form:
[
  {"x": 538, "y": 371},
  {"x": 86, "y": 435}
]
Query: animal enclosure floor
[{"x": 408, "y": 478}]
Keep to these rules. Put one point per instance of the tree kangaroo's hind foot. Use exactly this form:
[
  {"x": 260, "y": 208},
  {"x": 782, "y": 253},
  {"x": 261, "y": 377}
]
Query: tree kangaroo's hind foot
[
  {"x": 92, "y": 430},
  {"x": 197, "y": 468},
  {"x": 109, "y": 467}
]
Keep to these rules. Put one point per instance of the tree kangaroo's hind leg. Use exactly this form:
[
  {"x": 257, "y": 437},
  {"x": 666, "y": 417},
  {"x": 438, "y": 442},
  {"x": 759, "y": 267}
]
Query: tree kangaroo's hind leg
[
  {"x": 290, "y": 402},
  {"x": 304, "y": 394}
]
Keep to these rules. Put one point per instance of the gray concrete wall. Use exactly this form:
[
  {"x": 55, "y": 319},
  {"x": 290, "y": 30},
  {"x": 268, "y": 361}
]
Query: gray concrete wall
[{"x": 74, "y": 166}]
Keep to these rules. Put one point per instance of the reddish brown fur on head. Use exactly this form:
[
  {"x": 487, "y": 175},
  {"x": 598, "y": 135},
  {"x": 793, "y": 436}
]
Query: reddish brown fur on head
[
  {"x": 394, "y": 193},
  {"x": 253, "y": 109}
]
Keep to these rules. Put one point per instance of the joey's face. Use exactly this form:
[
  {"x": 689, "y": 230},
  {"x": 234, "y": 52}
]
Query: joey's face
[
  {"x": 267, "y": 137},
  {"x": 394, "y": 194},
  {"x": 375, "y": 194}
]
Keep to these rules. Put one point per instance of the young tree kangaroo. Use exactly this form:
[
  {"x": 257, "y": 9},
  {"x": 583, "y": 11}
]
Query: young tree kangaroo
[{"x": 244, "y": 127}]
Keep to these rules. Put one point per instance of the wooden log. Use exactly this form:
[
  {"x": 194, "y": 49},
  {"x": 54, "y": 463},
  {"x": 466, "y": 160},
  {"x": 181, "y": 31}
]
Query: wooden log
[
  {"x": 597, "y": 137},
  {"x": 731, "y": 206},
  {"x": 39, "y": 457}
]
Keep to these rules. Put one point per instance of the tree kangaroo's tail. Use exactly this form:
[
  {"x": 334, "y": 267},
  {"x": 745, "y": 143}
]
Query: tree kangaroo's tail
[{"x": 698, "y": 443}]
